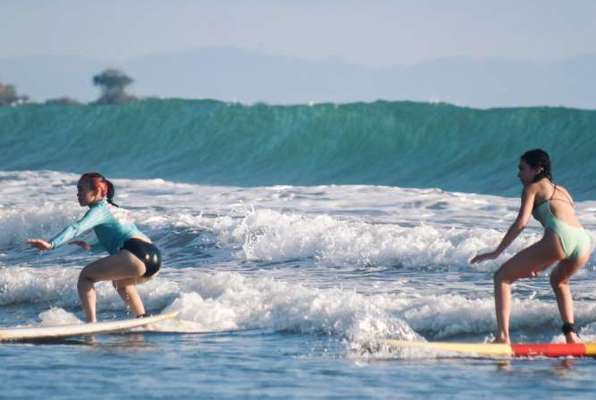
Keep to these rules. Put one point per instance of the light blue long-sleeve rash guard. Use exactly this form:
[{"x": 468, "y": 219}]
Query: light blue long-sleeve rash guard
[{"x": 110, "y": 232}]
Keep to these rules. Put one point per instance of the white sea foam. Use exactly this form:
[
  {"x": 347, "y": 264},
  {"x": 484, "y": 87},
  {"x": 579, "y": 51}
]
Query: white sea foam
[
  {"x": 221, "y": 301},
  {"x": 355, "y": 225},
  {"x": 271, "y": 235},
  {"x": 34, "y": 285},
  {"x": 17, "y": 224},
  {"x": 224, "y": 301},
  {"x": 58, "y": 316},
  {"x": 328, "y": 228}
]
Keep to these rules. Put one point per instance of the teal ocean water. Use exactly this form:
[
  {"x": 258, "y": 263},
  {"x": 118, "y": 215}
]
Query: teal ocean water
[
  {"x": 384, "y": 143},
  {"x": 295, "y": 239}
]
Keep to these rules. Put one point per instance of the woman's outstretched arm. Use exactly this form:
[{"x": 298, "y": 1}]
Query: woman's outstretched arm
[{"x": 523, "y": 216}]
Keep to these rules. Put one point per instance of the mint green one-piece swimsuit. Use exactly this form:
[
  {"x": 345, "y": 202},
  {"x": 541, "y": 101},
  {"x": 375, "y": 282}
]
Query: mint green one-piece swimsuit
[{"x": 575, "y": 241}]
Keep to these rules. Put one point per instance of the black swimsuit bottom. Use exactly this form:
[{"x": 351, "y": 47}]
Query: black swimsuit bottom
[{"x": 145, "y": 252}]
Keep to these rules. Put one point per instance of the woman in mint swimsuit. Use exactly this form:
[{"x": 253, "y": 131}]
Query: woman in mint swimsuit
[
  {"x": 564, "y": 241},
  {"x": 133, "y": 258}
]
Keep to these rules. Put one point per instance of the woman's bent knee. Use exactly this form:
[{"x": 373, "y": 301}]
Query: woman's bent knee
[
  {"x": 501, "y": 277},
  {"x": 496, "y": 277},
  {"x": 87, "y": 274},
  {"x": 556, "y": 282},
  {"x": 84, "y": 280}
]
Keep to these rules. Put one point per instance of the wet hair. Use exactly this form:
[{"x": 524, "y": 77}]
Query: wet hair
[
  {"x": 538, "y": 158},
  {"x": 98, "y": 181}
]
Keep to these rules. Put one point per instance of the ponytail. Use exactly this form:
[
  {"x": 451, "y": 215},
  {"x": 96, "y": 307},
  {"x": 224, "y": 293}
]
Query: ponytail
[{"x": 110, "y": 193}]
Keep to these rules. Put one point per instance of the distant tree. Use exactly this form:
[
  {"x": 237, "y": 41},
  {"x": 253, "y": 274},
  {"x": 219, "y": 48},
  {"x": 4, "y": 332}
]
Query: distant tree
[
  {"x": 63, "y": 101},
  {"x": 8, "y": 96},
  {"x": 113, "y": 83}
]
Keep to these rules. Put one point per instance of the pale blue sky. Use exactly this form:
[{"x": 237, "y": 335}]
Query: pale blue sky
[{"x": 371, "y": 33}]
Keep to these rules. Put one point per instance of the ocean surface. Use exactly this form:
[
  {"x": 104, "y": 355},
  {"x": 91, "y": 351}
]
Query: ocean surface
[{"x": 295, "y": 239}]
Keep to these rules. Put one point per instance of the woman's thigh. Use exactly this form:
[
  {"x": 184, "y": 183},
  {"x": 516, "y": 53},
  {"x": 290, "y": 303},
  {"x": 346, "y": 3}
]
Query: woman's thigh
[
  {"x": 120, "y": 283},
  {"x": 563, "y": 271},
  {"x": 123, "y": 265},
  {"x": 530, "y": 261}
]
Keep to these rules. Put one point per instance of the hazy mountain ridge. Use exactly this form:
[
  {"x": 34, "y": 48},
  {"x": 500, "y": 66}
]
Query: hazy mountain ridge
[{"x": 249, "y": 76}]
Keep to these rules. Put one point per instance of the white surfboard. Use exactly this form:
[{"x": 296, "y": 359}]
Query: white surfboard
[{"x": 65, "y": 331}]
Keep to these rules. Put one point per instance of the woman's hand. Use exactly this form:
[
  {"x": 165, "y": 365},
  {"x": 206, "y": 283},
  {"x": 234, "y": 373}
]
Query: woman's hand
[
  {"x": 39, "y": 244},
  {"x": 81, "y": 243},
  {"x": 483, "y": 257}
]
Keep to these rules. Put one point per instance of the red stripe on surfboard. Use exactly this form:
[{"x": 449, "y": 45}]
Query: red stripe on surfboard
[{"x": 549, "y": 349}]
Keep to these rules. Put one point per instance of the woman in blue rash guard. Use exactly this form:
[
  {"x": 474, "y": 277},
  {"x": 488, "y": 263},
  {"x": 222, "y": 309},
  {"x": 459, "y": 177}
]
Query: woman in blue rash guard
[{"x": 133, "y": 258}]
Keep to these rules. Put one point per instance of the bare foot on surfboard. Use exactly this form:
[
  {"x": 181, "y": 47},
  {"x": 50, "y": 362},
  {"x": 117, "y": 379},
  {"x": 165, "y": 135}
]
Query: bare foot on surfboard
[{"x": 572, "y": 337}]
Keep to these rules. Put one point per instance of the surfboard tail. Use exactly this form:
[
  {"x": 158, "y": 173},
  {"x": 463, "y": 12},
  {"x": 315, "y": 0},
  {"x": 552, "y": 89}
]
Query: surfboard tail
[
  {"x": 553, "y": 350},
  {"x": 501, "y": 350},
  {"x": 64, "y": 331}
]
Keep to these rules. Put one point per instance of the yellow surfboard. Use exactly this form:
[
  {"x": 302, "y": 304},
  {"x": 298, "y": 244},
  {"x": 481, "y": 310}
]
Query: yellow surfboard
[{"x": 499, "y": 349}]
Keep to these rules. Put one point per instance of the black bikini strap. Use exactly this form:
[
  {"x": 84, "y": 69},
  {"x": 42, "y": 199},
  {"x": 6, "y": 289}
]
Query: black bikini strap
[
  {"x": 569, "y": 199},
  {"x": 554, "y": 191}
]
